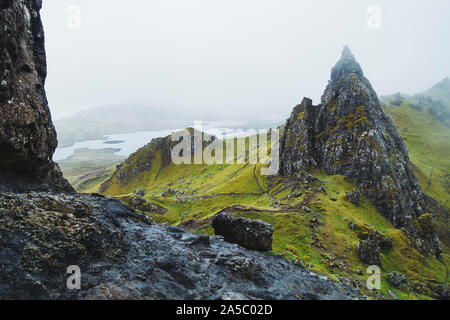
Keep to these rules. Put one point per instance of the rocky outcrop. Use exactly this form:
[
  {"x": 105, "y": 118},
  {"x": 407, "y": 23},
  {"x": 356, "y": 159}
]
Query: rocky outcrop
[
  {"x": 251, "y": 234},
  {"x": 424, "y": 234},
  {"x": 350, "y": 134},
  {"x": 372, "y": 243},
  {"x": 354, "y": 197},
  {"x": 396, "y": 279},
  {"x": 27, "y": 135},
  {"x": 122, "y": 255},
  {"x": 139, "y": 203},
  {"x": 369, "y": 251}
]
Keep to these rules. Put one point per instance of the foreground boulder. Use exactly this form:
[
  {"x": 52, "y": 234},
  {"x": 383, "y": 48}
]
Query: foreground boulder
[
  {"x": 369, "y": 251},
  {"x": 371, "y": 244},
  {"x": 122, "y": 255},
  {"x": 251, "y": 234},
  {"x": 396, "y": 279}
]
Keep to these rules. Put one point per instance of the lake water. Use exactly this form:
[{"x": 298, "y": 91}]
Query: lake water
[
  {"x": 131, "y": 142},
  {"x": 126, "y": 142}
]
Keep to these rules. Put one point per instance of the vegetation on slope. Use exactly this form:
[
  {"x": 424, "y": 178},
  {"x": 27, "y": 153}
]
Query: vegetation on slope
[
  {"x": 87, "y": 169},
  {"x": 311, "y": 221}
]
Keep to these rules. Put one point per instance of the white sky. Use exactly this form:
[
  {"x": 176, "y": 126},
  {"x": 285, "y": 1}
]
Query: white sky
[{"x": 238, "y": 59}]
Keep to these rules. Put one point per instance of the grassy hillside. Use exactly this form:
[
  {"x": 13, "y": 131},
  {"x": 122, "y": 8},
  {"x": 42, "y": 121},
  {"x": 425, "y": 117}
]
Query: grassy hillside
[
  {"x": 87, "y": 169},
  {"x": 440, "y": 91},
  {"x": 311, "y": 221},
  {"x": 428, "y": 142}
]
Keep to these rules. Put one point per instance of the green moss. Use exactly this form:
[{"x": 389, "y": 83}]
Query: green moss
[{"x": 300, "y": 137}]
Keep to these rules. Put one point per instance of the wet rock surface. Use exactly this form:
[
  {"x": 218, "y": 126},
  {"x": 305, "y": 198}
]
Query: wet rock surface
[
  {"x": 251, "y": 234},
  {"x": 122, "y": 255},
  {"x": 27, "y": 134}
]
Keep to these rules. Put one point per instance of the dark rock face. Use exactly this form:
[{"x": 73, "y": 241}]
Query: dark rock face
[
  {"x": 251, "y": 234},
  {"x": 354, "y": 197},
  {"x": 441, "y": 292},
  {"x": 27, "y": 135},
  {"x": 396, "y": 279},
  {"x": 122, "y": 255},
  {"x": 372, "y": 243},
  {"x": 139, "y": 203},
  {"x": 424, "y": 235},
  {"x": 349, "y": 134},
  {"x": 369, "y": 251}
]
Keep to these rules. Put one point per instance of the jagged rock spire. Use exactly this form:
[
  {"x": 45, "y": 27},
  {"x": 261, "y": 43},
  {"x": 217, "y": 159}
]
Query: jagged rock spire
[
  {"x": 345, "y": 66},
  {"x": 349, "y": 134},
  {"x": 348, "y": 84}
]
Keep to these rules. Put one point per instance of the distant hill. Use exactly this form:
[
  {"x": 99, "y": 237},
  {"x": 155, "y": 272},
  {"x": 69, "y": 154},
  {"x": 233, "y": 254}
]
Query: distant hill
[
  {"x": 94, "y": 123},
  {"x": 440, "y": 91},
  {"x": 435, "y": 100}
]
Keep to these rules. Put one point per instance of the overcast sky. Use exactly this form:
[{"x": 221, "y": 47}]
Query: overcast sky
[{"x": 236, "y": 59}]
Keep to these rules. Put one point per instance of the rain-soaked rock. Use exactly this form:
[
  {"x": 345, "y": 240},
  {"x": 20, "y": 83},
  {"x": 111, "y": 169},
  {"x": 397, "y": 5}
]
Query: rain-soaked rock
[
  {"x": 122, "y": 255},
  {"x": 251, "y": 234},
  {"x": 424, "y": 235},
  {"x": 27, "y": 134}
]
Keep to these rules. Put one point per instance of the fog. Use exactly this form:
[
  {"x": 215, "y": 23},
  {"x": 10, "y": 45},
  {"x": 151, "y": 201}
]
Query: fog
[{"x": 235, "y": 59}]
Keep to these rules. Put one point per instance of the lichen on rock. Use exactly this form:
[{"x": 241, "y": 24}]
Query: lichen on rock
[
  {"x": 350, "y": 134},
  {"x": 27, "y": 134}
]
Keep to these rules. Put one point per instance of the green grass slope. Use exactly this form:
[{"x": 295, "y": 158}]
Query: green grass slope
[
  {"x": 87, "y": 169},
  {"x": 311, "y": 222}
]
